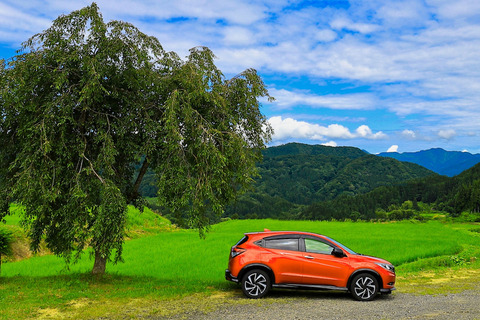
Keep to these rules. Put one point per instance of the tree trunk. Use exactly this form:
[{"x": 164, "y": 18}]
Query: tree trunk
[
  {"x": 134, "y": 194},
  {"x": 99, "y": 264}
]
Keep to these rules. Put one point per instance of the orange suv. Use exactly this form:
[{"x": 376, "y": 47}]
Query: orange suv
[{"x": 302, "y": 260}]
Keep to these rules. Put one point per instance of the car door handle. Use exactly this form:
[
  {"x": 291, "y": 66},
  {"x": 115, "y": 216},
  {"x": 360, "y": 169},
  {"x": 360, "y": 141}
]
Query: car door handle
[{"x": 309, "y": 257}]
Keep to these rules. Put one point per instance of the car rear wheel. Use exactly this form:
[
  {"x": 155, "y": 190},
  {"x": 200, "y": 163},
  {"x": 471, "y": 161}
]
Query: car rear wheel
[
  {"x": 364, "y": 287},
  {"x": 255, "y": 283}
]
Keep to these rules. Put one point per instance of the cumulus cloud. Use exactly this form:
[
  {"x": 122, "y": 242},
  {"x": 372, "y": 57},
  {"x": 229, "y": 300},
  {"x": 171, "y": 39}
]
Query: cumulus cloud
[
  {"x": 289, "y": 128},
  {"x": 409, "y": 134},
  {"x": 447, "y": 134},
  {"x": 329, "y": 144},
  {"x": 393, "y": 148},
  {"x": 365, "y": 132}
]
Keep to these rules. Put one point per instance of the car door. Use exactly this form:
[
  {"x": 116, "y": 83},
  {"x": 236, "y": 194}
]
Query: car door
[
  {"x": 285, "y": 258},
  {"x": 321, "y": 267}
]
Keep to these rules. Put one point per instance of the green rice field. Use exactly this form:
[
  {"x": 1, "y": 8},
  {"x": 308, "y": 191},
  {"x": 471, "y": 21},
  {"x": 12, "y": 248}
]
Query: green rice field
[{"x": 164, "y": 262}]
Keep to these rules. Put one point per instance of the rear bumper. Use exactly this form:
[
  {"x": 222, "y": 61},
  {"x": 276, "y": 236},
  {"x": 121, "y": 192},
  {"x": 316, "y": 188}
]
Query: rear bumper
[{"x": 230, "y": 277}]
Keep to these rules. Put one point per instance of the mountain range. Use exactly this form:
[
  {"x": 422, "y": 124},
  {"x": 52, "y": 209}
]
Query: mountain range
[
  {"x": 448, "y": 163},
  {"x": 294, "y": 175}
]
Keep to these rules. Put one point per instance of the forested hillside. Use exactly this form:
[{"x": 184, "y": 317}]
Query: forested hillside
[
  {"x": 300, "y": 181},
  {"x": 295, "y": 175},
  {"x": 457, "y": 195}
]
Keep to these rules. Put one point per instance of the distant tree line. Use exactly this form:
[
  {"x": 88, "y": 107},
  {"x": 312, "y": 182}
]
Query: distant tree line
[{"x": 452, "y": 195}]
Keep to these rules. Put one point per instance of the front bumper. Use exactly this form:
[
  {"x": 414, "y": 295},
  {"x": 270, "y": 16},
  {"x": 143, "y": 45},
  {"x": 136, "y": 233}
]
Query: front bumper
[
  {"x": 387, "y": 291},
  {"x": 230, "y": 277}
]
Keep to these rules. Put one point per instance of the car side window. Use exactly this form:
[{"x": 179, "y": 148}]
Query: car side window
[
  {"x": 315, "y": 246},
  {"x": 282, "y": 244}
]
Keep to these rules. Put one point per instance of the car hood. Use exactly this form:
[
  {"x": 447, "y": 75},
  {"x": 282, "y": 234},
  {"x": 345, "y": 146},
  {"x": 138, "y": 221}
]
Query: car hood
[{"x": 371, "y": 259}]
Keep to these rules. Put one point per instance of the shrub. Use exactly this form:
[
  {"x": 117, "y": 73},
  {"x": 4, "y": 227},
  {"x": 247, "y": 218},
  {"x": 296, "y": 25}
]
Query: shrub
[{"x": 6, "y": 239}]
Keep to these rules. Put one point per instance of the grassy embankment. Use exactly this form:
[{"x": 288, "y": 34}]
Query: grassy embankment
[{"x": 164, "y": 263}]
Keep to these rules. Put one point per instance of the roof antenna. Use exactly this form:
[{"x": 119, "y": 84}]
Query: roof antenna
[{"x": 266, "y": 230}]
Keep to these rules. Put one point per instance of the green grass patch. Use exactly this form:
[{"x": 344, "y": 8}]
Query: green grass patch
[
  {"x": 146, "y": 222},
  {"x": 163, "y": 262},
  {"x": 183, "y": 255},
  {"x": 15, "y": 216}
]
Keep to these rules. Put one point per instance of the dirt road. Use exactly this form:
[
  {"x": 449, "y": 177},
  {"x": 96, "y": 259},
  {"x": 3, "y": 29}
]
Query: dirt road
[{"x": 330, "y": 305}]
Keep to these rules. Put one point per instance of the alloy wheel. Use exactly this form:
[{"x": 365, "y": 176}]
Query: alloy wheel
[
  {"x": 255, "y": 284},
  {"x": 365, "y": 287}
]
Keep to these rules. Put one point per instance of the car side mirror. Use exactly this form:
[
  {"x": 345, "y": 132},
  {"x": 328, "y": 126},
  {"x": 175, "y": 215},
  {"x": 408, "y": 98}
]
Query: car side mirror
[{"x": 337, "y": 252}]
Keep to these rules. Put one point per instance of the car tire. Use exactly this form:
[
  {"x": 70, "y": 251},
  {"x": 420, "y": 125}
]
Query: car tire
[
  {"x": 255, "y": 284},
  {"x": 364, "y": 287}
]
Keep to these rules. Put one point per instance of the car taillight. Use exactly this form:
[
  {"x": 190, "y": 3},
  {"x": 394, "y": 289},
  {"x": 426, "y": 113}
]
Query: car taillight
[{"x": 236, "y": 251}]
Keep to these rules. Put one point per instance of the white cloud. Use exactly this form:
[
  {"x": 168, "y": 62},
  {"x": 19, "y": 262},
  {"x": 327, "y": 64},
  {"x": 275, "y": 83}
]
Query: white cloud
[
  {"x": 345, "y": 23},
  {"x": 289, "y": 128},
  {"x": 330, "y": 144},
  {"x": 409, "y": 134},
  {"x": 17, "y": 26},
  {"x": 393, "y": 148},
  {"x": 456, "y": 9},
  {"x": 238, "y": 36},
  {"x": 404, "y": 57},
  {"x": 355, "y": 101},
  {"x": 365, "y": 132},
  {"x": 325, "y": 35},
  {"x": 447, "y": 134}
]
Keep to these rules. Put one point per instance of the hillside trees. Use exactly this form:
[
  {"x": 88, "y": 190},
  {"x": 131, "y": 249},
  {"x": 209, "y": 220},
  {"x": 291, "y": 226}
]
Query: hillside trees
[
  {"x": 294, "y": 176},
  {"x": 457, "y": 195},
  {"x": 89, "y": 101}
]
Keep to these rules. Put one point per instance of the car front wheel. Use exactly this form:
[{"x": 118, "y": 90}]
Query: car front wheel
[
  {"x": 364, "y": 287},
  {"x": 255, "y": 284}
]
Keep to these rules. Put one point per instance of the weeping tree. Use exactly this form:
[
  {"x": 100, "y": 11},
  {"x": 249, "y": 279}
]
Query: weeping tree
[{"x": 85, "y": 102}]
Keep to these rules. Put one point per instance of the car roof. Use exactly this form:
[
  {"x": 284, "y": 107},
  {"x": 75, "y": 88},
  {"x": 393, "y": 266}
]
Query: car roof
[{"x": 275, "y": 233}]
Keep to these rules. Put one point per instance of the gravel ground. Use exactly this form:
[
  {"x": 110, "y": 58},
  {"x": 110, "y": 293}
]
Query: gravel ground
[{"x": 282, "y": 304}]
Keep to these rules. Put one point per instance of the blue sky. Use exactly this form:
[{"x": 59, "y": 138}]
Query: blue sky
[{"x": 378, "y": 74}]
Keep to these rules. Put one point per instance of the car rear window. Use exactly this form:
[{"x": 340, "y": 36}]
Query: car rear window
[{"x": 243, "y": 240}]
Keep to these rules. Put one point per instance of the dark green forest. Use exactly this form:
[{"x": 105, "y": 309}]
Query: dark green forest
[
  {"x": 313, "y": 182},
  {"x": 452, "y": 195}
]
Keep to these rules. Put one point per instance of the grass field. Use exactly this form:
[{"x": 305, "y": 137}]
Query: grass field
[{"x": 163, "y": 262}]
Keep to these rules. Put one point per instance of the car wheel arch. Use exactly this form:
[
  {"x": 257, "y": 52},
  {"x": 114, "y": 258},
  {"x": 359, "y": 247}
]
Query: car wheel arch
[
  {"x": 260, "y": 266},
  {"x": 369, "y": 271}
]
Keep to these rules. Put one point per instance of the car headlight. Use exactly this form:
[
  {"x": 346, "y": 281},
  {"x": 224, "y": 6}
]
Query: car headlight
[{"x": 387, "y": 266}]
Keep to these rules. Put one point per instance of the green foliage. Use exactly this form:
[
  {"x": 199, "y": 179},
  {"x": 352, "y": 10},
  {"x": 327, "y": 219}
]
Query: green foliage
[
  {"x": 6, "y": 240},
  {"x": 89, "y": 101},
  {"x": 475, "y": 230},
  {"x": 294, "y": 149}
]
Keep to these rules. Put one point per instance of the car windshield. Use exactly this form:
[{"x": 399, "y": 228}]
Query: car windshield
[{"x": 342, "y": 246}]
